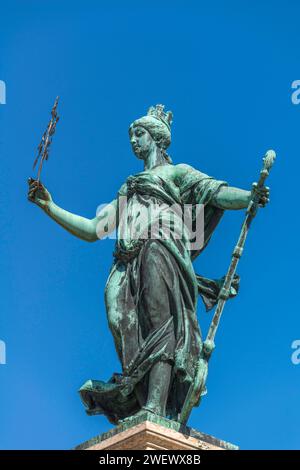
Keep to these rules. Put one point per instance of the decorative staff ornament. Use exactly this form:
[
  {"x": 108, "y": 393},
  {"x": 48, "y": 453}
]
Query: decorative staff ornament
[
  {"x": 44, "y": 146},
  {"x": 198, "y": 387}
]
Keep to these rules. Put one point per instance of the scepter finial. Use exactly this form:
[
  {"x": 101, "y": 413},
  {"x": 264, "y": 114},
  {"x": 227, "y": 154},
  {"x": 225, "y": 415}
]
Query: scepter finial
[{"x": 269, "y": 159}]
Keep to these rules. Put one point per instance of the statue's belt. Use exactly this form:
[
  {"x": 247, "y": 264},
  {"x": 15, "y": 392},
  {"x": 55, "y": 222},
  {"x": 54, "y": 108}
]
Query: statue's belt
[{"x": 130, "y": 253}]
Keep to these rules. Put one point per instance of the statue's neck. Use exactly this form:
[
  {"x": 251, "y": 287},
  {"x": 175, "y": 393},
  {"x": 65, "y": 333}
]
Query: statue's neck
[{"x": 155, "y": 158}]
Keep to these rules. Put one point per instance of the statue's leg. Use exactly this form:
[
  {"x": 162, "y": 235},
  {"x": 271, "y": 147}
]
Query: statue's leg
[
  {"x": 157, "y": 281},
  {"x": 121, "y": 314},
  {"x": 141, "y": 390},
  {"x": 159, "y": 383},
  {"x": 113, "y": 292}
]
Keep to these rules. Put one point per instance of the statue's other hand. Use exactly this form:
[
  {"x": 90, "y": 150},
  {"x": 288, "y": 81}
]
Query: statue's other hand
[
  {"x": 38, "y": 194},
  {"x": 263, "y": 194}
]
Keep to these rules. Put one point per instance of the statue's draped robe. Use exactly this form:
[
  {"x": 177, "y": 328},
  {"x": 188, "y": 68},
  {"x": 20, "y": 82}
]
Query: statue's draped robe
[{"x": 151, "y": 293}]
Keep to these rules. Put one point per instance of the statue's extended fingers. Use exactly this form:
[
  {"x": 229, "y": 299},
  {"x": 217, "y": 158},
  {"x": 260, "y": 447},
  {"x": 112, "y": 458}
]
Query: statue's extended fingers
[
  {"x": 263, "y": 201},
  {"x": 33, "y": 190},
  {"x": 263, "y": 192},
  {"x": 33, "y": 186},
  {"x": 39, "y": 194},
  {"x": 263, "y": 196}
]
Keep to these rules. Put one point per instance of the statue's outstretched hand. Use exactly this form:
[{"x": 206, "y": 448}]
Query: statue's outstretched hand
[{"x": 38, "y": 194}]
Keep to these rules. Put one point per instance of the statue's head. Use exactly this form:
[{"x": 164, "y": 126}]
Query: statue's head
[{"x": 151, "y": 130}]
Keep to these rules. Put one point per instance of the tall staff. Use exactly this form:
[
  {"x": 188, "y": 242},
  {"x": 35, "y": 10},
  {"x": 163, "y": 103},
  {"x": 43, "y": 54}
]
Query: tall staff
[{"x": 198, "y": 386}]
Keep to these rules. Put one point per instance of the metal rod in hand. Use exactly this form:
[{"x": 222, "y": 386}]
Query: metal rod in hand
[{"x": 44, "y": 147}]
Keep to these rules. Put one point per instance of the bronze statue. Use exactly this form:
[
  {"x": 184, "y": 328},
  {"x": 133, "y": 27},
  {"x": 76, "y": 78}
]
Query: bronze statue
[{"x": 152, "y": 290}]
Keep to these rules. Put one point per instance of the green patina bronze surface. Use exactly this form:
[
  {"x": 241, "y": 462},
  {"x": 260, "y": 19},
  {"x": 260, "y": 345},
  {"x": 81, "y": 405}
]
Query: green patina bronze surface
[{"x": 152, "y": 290}]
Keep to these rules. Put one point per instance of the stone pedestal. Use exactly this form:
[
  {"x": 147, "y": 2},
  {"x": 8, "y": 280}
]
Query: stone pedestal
[{"x": 151, "y": 432}]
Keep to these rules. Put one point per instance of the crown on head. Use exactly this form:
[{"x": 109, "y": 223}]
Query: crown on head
[{"x": 158, "y": 113}]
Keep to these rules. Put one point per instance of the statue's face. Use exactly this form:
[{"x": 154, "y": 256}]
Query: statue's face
[{"x": 141, "y": 141}]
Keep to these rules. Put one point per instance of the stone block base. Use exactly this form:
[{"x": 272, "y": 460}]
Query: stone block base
[{"x": 151, "y": 432}]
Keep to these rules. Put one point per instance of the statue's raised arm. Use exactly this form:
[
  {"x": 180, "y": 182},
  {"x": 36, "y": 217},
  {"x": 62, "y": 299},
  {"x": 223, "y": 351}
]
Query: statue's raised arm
[{"x": 86, "y": 229}]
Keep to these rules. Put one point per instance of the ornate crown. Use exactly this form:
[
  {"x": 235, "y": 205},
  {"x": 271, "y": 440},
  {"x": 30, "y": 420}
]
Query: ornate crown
[{"x": 158, "y": 113}]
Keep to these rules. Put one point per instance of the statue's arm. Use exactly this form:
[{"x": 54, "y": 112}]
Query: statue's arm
[
  {"x": 86, "y": 229},
  {"x": 89, "y": 230},
  {"x": 79, "y": 226},
  {"x": 229, "y": 197}
]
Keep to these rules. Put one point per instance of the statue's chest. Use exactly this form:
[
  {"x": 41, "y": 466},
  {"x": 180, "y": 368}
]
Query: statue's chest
[{"x": 152, "y": 184}]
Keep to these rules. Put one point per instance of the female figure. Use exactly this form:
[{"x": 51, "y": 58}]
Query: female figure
[{"x": 151, "y": 293}]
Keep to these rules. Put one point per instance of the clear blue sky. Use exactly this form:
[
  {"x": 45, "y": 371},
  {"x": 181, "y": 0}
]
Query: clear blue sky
[{"x": 225, "y": 69}]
